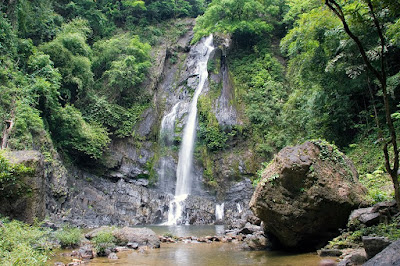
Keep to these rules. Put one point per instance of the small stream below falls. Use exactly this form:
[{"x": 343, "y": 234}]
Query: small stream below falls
[{"x": 209, "y": 254}]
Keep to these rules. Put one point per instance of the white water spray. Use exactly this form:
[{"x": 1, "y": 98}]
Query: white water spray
[
  {"x": 168, "y": 125},
  {"x": 239, "y": 208},
  {"x": 167, "y": 138},
  {"x": 185, "y": 162},
  {"x": 219, "y": 212}
]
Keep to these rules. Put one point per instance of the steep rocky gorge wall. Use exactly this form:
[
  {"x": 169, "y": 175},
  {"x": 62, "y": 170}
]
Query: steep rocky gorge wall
[{"x": 124, "y": 188}]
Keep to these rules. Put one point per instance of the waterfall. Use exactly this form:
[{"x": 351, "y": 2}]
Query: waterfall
[
  {"x": 238, "y": 207},
  {"x": 167, "y": 132},
  {"x": 185, "y": 161},
  {"x": 168, "y": 126},
  {"x": 219, "y": 212}
]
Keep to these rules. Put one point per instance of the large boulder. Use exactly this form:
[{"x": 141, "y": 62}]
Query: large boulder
[
  {"x": 374, "y": 244},
  {"x": 306, "y": 194},
  {"x": 141, "y": 236},
  {"x": 31, "y": 204},
  {"x": 388, "y": 256},
  {"x": 129, "y": 236}
]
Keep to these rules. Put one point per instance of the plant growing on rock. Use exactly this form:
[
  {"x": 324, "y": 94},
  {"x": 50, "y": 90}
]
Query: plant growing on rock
[{"x": 104, "y": 241}]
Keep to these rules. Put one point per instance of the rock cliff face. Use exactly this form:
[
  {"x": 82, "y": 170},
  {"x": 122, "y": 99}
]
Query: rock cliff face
[
  {"x": 306, "y": 194},
  {"x": 134, "y": 182}
]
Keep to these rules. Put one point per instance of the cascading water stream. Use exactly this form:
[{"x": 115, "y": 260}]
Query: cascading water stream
[
  {"x": 167, "y": 138},
  {"x": 168, "y": 126},
  {"x": 185, "y": 161},
  {"x": 219, "y": 212},
  {"x": 239, "y": 207}
]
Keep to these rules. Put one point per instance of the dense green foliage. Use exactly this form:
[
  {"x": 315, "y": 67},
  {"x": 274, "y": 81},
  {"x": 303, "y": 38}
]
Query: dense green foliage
[
  {"x": 260, "y": 87},
  {"x": 321, "y": 88},
  {"x": 72, "y": 72},
  {"x": 22, "y": 244},
  {"x": 352, "y": 238},
  {"x": 246, "y": 20},
  {"x": 69, "y": 237}
]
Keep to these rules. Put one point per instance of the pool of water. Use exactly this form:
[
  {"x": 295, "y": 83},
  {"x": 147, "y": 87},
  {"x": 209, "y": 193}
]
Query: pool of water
[
  {"x": 200, "y": 254},
  {"x": 207, "y": 254}
]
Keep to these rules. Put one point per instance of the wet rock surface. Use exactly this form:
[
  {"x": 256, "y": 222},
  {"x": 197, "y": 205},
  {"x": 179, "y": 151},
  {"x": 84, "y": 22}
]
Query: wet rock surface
[{"x": 306, "y": 194}]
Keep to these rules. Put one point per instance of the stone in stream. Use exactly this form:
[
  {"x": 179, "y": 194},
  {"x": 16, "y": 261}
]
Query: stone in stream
[
  {"x": 355, "y": 257},
  {"x": 250, "y": 229},
  {"x": 306, "y": 194},
  {"x": 127, "y": 235},
  {"x": 329, "y": 252},
  {"x": 141, "y": 236},
  {"x": 112, "y": 256},
  {"x": 132, "y": 245},
  {"x": 256, "y": 242},
  {"x": 86, "y": 252}
]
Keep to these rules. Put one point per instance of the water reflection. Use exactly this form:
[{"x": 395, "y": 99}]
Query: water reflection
[
  {"x": 213, "y": 254},
  {"x": 204, "y": 254}
]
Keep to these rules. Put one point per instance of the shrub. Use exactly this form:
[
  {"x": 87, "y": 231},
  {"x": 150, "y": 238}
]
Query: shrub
[
  {"x": 102, "y": 241},
  {"x": 22, "y": 244},
  {"x": 69, "y": 237}
]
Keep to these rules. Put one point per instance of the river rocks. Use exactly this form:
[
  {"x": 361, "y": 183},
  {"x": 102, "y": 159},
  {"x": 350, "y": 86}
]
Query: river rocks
[
  {"x": 132, "y": 245},
  {"x": 250, "y": 229},
  {"x": 86, "y": 252},
  {"x": 256, "y": 242},
  {"x": 381, "y": 212},
  {"x": 31, "y": 205},
  {"x": 374, "y": 245},
  {"x": 112, "y": 256},
  {"x": 389, "y": 256},
  {"x": 353, "y": 258},
  {"x": 329, "y": 252},
  {"x": 306, "y": 193}
]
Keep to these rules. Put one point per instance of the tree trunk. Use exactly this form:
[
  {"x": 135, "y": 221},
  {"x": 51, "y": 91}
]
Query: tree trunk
[
  {"x": 7, "y": 129},
  {"x": 380, "y": 74}
]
